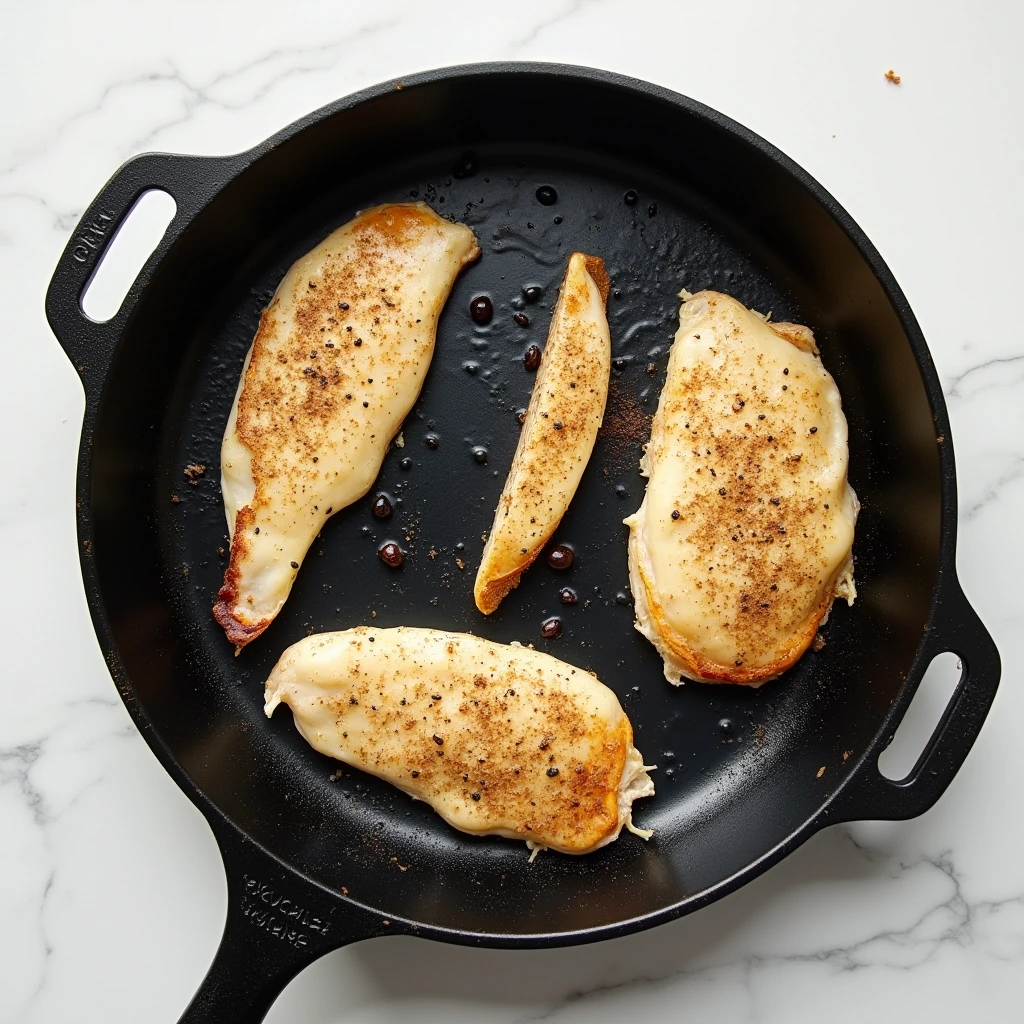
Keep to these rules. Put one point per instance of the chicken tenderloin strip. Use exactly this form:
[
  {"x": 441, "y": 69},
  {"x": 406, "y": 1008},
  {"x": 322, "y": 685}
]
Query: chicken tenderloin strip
[
  {"x": 557, "y": 439},
  {"x": 499, "y": 740},
  {"x": 335, "y": 367}
]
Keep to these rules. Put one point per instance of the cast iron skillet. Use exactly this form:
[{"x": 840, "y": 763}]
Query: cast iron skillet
[{"x": 317, "y": 856}]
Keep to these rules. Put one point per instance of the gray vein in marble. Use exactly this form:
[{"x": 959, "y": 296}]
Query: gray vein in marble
[
  {"x": 955, "y": 388},
  {"x": 994, "y": 489},
  {"x": 15, "y": 765},
  {"x": 61, "y": 221},
  {"x": 954, "y": 920},
  {"x": 568, "y": 11},
  {"x": 197, "y": 96}
]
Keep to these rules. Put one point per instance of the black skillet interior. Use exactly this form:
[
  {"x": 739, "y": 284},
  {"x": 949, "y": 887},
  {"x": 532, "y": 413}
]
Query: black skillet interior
[{"x": 739, "y": 769}]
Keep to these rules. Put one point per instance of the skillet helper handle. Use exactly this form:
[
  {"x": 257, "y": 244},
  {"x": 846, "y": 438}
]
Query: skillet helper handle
[
  {"x": 191, "y": 181},
  {"x": 277, "y": 924},
  {"x": 955, "y": 627}
]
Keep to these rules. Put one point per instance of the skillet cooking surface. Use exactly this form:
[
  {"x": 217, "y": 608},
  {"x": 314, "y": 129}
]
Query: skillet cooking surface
[{"x": 739, "y": 770}]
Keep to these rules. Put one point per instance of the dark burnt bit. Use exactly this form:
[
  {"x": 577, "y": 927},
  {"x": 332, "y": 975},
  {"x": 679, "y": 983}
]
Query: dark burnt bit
[
  {"x": 480, "y": 454},
  {"x": 631, "y": 198},
  {"x": 474, "y": 796},
  {"x": 567, "y": 595},
  {"x": 551, "y": 627},
  {"x": 560, "y": 556},
  {"x": 546, "y": 195},
  {"x": 675, "y": 513},
  {"x": 481, "y": 309},
  {"x": 382, "y": 507},
  {"x": 439, "y": 740},
  {"x": 531, "y": 360},
  {"x": 432, "y": 441},
  {"x": 532, "y": 293},
  {"x": 522, "y": 319},
  {"x": 406, "y": 464},
  {"x": 391, "y": 554},
  {"x": 652, "y": 210},
  {"x": 552, "y": 772}
]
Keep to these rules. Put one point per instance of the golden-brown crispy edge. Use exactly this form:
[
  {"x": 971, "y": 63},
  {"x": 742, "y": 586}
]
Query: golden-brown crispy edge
[
  {"x": 708, "y": 671},
  {"x": 238, "y": 632}
]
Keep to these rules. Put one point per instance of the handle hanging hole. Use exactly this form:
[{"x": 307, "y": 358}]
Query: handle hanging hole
[
  {"x": 914, "y": 734},
  {"x": 137, "y": 235}
]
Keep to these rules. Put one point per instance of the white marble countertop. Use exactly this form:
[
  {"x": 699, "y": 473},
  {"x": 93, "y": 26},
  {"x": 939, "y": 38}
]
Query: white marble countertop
[{"x": 112, "y": 896}]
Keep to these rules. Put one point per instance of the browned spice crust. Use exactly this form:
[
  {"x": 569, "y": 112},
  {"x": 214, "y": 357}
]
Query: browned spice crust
[{"x": 595, "y": 268}]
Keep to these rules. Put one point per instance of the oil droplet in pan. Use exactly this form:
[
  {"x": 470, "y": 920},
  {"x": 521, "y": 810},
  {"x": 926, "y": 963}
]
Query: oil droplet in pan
[
  {"x": 481, "y": 310},
  {"x": 560, "y": 556},
  {"x": 391, "y": 554},
  {"x": 551, "y": 627}
]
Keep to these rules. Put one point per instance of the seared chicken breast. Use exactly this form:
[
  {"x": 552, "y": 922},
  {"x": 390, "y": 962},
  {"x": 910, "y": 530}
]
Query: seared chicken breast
[
  {"x": 745, "y": 533},
  {"x": 499, "y": 740},
  {"x": 335, "y": 367},
  {"x": 565, "y": 412}
]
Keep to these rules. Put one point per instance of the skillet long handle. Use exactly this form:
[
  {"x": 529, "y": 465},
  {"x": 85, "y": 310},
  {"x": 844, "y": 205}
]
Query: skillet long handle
[
  {"x": 191, "y": 181},
  {"x": 955, "y": 627},
  {"x": 277, "y": 924}
]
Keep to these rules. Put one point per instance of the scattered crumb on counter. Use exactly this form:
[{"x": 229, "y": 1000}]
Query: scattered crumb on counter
[
  {"x": 193, "y": 471},
  {"x": 846, "y": 754},
  {"x": 891, "y": 76},
  {"x": 821, "y": 771},
  {"x": 818, "y": 643},
  {"x": 460, "y": 563},
  {"x": 175, "y": 500}
]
